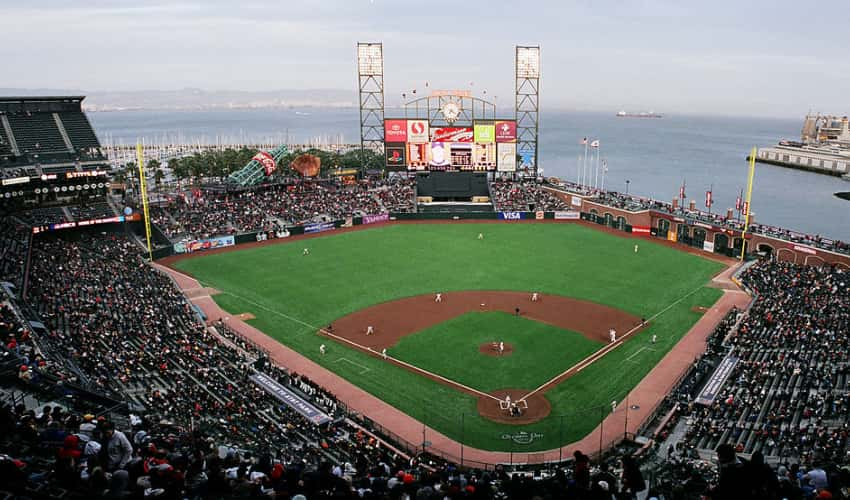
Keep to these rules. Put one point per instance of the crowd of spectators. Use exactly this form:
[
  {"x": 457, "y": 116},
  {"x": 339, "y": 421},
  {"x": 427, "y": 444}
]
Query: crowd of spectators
[
  {"x": 636, "y": 203},
  {"x": 789, "y": 394},
  {"x": 201, "y": 214},
  {"x": 524, "y": 196},
  {"x": 14, "y": 241}
]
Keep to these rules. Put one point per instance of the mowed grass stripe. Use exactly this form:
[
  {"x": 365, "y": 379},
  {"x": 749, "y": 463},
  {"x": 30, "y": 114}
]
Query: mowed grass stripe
[
  {"x": 451, "y": 349},
  {"x": 349, "y": 271}
]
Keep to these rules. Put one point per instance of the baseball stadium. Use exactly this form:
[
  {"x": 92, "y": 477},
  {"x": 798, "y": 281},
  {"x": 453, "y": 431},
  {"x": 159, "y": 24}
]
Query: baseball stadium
[{"x": 422, "y": 312}]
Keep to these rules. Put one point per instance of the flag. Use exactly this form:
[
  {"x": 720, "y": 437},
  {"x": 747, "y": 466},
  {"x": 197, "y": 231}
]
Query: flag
[
  {"x": 584, "y": 142},
  {"x": 595, "y": 144},
  {"x": 746, "y": 208},
  {"x": 739, "y": 202},
  {"x": 708, "y": 201},
  {"x": 604, "y": 165},
  {"x": 682, "y": 191}
]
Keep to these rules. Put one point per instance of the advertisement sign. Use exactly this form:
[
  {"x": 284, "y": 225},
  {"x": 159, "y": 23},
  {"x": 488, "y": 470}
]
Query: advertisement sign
[
  {"x": 395, "y": 130},
  {"x": 418, "y": 156},
  {"x": 440, "y": 158},
  {"x": 641, "y": 229},
  {"x": 506, "y": 131},
  {"x": 452, "y": 134},
  {"x": 395, "y": 154},
  {"x": 461, "y": 155},
  {"x": 708, "y": 246},
  {"x": 511, "y": 215},
  {"x": 567, "y": 215},
  {"x": 290, "y": 399},
  {"x": 718, "y": 378},
  {"x": 506, "y": 158},
  {"x": 266, "y": 160},
  {"x": 318, "y": 227},
  {"x": 810, "y": 251},
  {"x": 575, "y": 201},
  {"x": 539, "y": 215},
  {"x": 484, "y": 132},
  {"x": 417, "y": 131},
  {"x": 207, "y": 244},
  {"x": 372, "y": 219},
  {"x": 484, "y": 156}
]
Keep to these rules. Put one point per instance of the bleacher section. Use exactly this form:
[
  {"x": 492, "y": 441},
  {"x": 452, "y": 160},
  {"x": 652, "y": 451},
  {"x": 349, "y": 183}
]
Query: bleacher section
[
  {"x": 91, "y": 211},
  {"x": 47, "y": 131}
]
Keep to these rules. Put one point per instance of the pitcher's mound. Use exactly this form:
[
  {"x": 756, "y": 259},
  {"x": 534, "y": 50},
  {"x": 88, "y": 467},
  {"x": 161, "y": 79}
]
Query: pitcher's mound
[
  {"x": 492, "y": 349},
  {"x": 538, "y": 407}
]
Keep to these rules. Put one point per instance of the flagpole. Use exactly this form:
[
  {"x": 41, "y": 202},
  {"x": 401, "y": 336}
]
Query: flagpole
[
  {"x": 596, "y": 182},
  {"x": 578, "y": 170},
  {"x": 748, "y": 205},
  {"x": 584, "y": 164},
  {"x": 711, "y": 200},
  {"x": 604, "y": 169}
]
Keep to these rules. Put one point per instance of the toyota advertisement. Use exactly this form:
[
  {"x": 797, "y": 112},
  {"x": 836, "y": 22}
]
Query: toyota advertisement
[{"x": 418, "y": 145}]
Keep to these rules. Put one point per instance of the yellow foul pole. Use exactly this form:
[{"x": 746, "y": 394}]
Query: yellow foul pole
[
  {"x": 747, "y": 203},
  {"x": 143, "y": 191}
]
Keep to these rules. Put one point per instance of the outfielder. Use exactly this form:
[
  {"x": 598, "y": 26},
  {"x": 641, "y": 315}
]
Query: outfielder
[
  {"x": 612, "y": 334},
  {"x": 480, "y": 236},
  {"x": 534, "y": 297},
  {"x": 322, "y": 349},
  {"x": 654, "y": 338},
  {"x": 370, "y": 330},
  {"x": 306, "y": 251},
  {"x": 438, "y": 297},
  {"x": 636, "y": 248}
]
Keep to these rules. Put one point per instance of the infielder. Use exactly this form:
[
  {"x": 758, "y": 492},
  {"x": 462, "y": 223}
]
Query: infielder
[
  {"x": 654, "y": 338},
  {"x": 501, "y": 348},
  {"x": 306, "y": 251},
  {"x": 534, "y": 297},
  {"x": 612, "y": 334},
  {"x": 322, "y": 349},
  {"x": 613, "y": 406},
  {"x": 370, "y": 330},
  {"x": 438, "y": 297},
  {"x": 384, "y": 353}
]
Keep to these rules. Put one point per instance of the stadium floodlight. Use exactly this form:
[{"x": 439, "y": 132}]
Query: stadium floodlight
[
  {"x": 528, "y": 62},
  {"x": 370, "y": 59}
]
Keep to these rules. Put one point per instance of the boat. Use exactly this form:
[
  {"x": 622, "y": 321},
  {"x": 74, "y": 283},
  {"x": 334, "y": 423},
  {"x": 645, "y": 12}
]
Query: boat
[{"x": 642, "y": 114}]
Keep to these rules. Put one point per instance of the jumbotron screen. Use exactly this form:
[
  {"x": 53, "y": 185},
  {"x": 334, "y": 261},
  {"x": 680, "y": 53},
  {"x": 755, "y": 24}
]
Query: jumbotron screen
[{"x": 415, "y": 145}]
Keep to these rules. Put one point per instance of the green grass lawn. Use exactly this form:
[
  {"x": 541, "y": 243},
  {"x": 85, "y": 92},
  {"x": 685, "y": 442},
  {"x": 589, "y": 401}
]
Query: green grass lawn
[
  {"x": 345, "y": 272},
  {"x": 450, "y": 349}
]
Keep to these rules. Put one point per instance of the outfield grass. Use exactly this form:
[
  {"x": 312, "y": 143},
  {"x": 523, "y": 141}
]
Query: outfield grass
[
  {"x": 450, "y": 349},
  {"x": 345, "y": 272}
]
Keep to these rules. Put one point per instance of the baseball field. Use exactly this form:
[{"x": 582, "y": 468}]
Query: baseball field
[{"x": 442, "y": 362}]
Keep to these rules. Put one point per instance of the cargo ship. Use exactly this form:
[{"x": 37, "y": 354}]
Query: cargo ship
[{"x": 642, "y": 114}]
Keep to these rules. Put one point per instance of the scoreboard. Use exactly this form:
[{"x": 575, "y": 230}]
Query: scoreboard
[{"x": 415, "y": 145}]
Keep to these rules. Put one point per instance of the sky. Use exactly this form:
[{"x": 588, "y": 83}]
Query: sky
[{"x": 757, "y": 58}]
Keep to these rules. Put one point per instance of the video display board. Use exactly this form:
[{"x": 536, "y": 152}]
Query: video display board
[{"x": 417, "y": 145}]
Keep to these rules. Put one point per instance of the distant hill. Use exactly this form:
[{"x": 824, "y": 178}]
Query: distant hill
[{"x": 198, "y": 99}]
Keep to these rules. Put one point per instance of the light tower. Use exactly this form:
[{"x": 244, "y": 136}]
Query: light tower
[
  {"x": 527, "y": 103},
  {"x": 370, "y": 76}
]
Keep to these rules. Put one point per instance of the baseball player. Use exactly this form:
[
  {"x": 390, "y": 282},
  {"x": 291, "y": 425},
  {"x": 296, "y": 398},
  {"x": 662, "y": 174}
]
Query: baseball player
[
  {"x": 384, "y": 353},
  {"x": 306, "y": 251},
  {"x": 534, "y": 297},
  {"x": 438, "y": 297},
  {"x": 480, "y": 236},
  {"x": 501, "y": 348},
  {"x": 612, "y": 334},
  {"x": 323, "y": 349},
  {"x": 613, "y": 406},
  {"x": 636, "y": 248},
  {"x": 370, "y": 330},
  {"x": 654, "y": 338}
]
